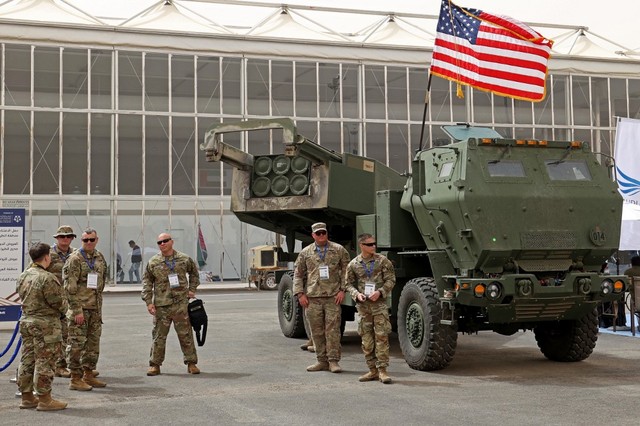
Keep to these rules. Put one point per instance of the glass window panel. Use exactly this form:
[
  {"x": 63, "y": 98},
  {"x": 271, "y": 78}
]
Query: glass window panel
[
  {"x": 209, "y": 85},
  {"x": 523, "y": 111},
  {"x": 306, "y": 84},
  {"x": 100, "y": 153},
  {"x": 482, "y": 107},
  {"x": 184, "y": 149},
  {"x": 351, "y": 137},
  {"x": 265, "y": 142},
  {"x": 129, "y": 156},
  {"x": 156, "y": 82},
  {"x": 46, "y": 136},
  {"x": 257, "y": 87},
  {"x": 17, "y": 77},
  {"x": 568, "y": 170},
  {"x": 282, "y": 88},
  {"x": 374, "y": 85},
  {"x": 182, "y": 81},
  {"x": 308, "y": 129},
  {"x": 231, "y": 79},
  {"x": 634, "y": 98},
  {"x": 505, "y": 168},
  {"x": 101, "y": 79},
  {"x": 157, "y": 156},
  {"x": 600, "y": 90},
  {"x": 130, "y": 81},
  {"x": 329, "y": 136},
  {"x": 350, "y": 83},
  {"x": 329, "y": 81},
  {"x": 439, "y": 101},
  {"x": 503, "y": 109},
  {"x": 542, "y": 109},
  {"x": 16, "y": 153},
  {"x": 397, "y": 93},
  {"x": 399, "y": 147},
  {"x": 523, "y": 132},
  {"x": 375, "y": 142},
  {"x": 209, "y": 177},
  {"x": 619, "y": 97},
  {"x": 581, "y": 100},
  {"x": 46, "y": 77},
  {"x": 74, "y": 153},
  {"x": 560, "y": 96},
  {"x": 417, "y": 92},
  {"x": 74, "y": 78}
]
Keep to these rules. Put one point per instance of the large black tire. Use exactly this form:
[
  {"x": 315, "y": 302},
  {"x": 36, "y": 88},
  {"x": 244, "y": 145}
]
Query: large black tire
[
  {"x": 568, "y": 341},
  {"x": 289, "y": 310},
  {"x": 426, "y": 344},
  {"x": 269, "y": 282}
]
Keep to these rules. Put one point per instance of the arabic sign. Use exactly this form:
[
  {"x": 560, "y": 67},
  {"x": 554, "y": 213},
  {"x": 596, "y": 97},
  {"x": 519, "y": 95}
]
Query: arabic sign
[{"x": 11, "y": 249}]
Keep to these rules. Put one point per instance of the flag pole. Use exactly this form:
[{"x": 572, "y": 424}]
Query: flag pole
[{"x": 424, "y": 112}]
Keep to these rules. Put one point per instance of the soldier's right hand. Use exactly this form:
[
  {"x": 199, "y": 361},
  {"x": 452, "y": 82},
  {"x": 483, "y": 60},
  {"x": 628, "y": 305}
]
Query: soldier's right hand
[
  {"x": 152, "y": 309},
  {"x": 303, "y": 300},
  {"x": 79, "y": 319}
]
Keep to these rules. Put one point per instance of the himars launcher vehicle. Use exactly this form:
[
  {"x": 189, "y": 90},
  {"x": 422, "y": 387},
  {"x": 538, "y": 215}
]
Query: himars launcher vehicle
[{"x": 486, "y": 233}]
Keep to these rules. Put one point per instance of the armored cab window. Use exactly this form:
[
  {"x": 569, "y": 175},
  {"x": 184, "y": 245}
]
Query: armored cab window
[
  {"x": 445, "y": 170},
  {"x": 568, "y": 170},
  {"x": 508, "y": 168}
]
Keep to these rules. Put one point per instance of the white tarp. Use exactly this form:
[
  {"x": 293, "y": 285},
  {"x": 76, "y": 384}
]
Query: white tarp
[{"x": 627, "y": 158}]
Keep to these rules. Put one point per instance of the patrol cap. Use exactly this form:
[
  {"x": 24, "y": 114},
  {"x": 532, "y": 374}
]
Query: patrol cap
[
  {"x": 320, "y": 226},
  {"x": 64, "y": 230}
]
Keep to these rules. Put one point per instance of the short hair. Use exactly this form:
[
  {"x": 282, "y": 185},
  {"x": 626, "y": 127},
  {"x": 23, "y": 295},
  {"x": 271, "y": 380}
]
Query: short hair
[
  {"x": 635, "y": 261},
  {"x": 38, "y": 251},
  {"x": 90, "y": 230},
  {"x": 363, "y": 237},
  {"x": 131, "y": 242}
]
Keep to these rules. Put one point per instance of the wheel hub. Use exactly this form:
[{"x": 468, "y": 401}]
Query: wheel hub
[
  {"x": 415, "y": 325},
  {"x": 287, "y": 305}
]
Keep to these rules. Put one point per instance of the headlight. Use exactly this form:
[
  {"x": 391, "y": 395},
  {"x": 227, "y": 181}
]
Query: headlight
[
  {"x": 494, "y": 291},
  {"x": 606, "y": 287}
]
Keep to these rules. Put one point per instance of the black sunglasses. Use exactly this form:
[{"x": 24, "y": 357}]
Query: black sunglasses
[
  {"x": 368, "y": 244},
  {"x": 318, "y": 233},
  {"x": 166, "y": 240},
  {"x": 86, "y": 240}
]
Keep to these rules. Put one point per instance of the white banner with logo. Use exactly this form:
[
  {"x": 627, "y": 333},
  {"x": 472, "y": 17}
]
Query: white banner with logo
[{"x": 627, "y": 158}]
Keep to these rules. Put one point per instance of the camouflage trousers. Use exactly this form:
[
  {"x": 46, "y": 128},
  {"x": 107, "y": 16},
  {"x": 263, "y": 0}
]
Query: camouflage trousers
[
  {"x": 61, "y": 362},
  {"x": 324, "y": 320},
  {"x": 374, "y": 328},
  {"x": 165, "y": 315},
  {"x": 40, "y": 347},
  {"x": 83, "y": 342}
]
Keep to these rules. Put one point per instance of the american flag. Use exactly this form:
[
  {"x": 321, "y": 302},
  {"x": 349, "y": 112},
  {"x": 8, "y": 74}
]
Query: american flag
[{"x": 490, "y": 52}]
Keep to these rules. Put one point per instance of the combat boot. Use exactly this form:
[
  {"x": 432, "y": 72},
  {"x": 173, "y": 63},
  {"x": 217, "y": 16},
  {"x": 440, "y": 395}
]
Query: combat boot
[
  {"x": 334, "y": 367},
  {"x": 384, "y": 377},
  {"x": 29, "y": 400},
  {"x": 153, "y": 370},
  {"x": 62, "y": 372},
  {"x": 91, "y": 380},
  {"x": 95, "y": 373},
  {"x": 319, "y": 366},
  {"x": 311, "y": 348},
  {"x": 371, "y": 375},
  {"x": 78, "y": 384},
  {"x": 49, "y": 404},
  {"x": 192, "y": 368},
  {"x": 305, "y": 345}
]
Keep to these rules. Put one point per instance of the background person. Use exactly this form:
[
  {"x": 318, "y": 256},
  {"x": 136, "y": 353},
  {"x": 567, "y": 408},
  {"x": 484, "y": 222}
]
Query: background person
[
  {"x": 85, "y": 274},
  {"x": 43, "y": 301},
  {"x": 136, "y": 261},
  {"x": 369, "y": 280},
  {"x": 322, "y": 265},
  {"x": 169, "y": 281},
  {"x": 60, "y": 252}
]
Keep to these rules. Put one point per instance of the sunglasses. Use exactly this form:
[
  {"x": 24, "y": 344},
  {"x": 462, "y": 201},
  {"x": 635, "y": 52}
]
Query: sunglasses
[
  {"x": 66, "y": 237},
  {"x": 86, "y": 240},
  {"x": 368, "y": 244},
  {"x": 318, "y": 233},
  {"x": 166, "y": 240}
]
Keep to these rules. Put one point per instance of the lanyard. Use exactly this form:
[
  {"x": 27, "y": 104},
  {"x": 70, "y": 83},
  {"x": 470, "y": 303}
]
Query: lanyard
[
  {"x": 365, "y": 266},
  {"x": 91, "y": 264},
  {"x": 171, "y": 265},
  {"x": 324, "y": 252},
  {"x": 63, "y": 256}
]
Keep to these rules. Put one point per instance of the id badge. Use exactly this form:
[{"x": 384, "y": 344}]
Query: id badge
[
  {"x": 324, "y": 272},
  {"x": 92, "y": 280},
  {"x": 174, "y": 282},
  {"x": 369, "y": 288}
]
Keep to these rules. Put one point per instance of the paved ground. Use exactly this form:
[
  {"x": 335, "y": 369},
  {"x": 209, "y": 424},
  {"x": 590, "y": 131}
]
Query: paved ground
[{"x": 254, "y": 375}]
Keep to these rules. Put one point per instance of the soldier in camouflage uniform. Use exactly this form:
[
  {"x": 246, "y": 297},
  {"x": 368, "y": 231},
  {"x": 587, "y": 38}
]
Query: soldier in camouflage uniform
[
  {"x": 85, "y": 274},
  {"x": 369, "y": 279},
  {"x": 60, "y": 252},
  {"x": 322, "y": 265},
  {"x": 169, "y": 281},
  {"x": 43, "y": 302}
]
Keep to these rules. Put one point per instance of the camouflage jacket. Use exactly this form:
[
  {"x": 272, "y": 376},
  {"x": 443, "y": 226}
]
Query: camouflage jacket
[
  {"x": 43, "y": 298},
  {"x": 382, "y": 273},
  {"x": 155, "y": 280},
  {"x": 58, "y": 260},
  {"x": 74, "y": 274},
  {"x": 306, "y": 277}
]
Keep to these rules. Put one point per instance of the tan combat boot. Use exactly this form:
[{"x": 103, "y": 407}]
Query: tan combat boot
[
  {"x": 384, "y": 377},
  {"x": 91, "y": 380},
  {"x": 29, "y": 400},
  {"x": 305, "y": 345},
  {"x": 62, "y": 372},
  {"x": 49, "y": 404},
  {"x": 78, "y": 384},
  {"x": 371, "y": 375},
  {"x": 334, "y": 367},
  {"x": 153, "y": 370},
  {"x": 192, "y": 368},
  {"x": 95, "y": 373},
  {"x": 319, "y": 366}
]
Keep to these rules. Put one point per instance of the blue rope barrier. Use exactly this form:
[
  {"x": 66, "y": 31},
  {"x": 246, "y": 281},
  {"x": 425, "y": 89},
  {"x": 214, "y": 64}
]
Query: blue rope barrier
[
  {"x": 15, "y": 333},
  {"x": 15, "y": 353}
]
